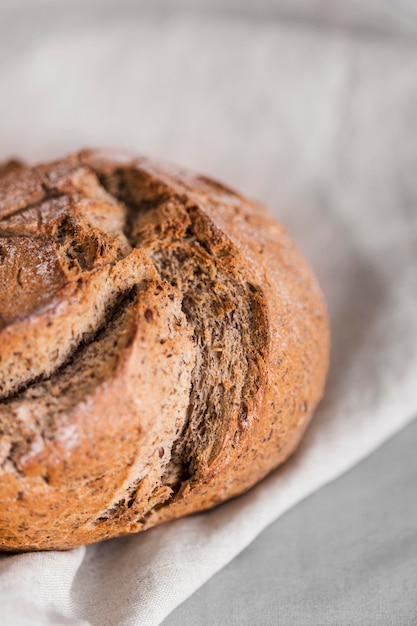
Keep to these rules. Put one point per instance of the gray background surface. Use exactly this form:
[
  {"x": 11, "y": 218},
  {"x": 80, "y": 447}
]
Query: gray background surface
[{"x": 346, "y": 556}]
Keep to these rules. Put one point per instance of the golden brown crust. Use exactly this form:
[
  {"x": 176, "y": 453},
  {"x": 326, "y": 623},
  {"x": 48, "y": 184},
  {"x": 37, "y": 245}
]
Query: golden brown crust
[
  {"x": 191, "y": 377},
  {"x": 9, "y": 166}
]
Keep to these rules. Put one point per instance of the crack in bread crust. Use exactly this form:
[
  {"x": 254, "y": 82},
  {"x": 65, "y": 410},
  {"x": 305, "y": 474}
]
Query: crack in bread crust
[
  {"x": 222, "y": 312},
  {"x": 228, "y": 321}
]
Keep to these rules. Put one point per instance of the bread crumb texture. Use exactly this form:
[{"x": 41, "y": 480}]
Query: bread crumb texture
[{"x": 162, "y": 347}]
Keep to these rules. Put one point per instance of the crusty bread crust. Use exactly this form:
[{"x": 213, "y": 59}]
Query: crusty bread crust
[{"x": 163, "y": 346}]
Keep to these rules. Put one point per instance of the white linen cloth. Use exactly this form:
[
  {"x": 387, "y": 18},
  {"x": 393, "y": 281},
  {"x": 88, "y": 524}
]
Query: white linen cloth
[{"x": 319, "y": 124}]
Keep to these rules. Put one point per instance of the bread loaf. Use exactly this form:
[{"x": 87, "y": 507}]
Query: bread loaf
[{"x": 163, "y": 346}]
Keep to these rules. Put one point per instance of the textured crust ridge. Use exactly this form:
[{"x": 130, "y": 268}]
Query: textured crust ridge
[{"x": 162, "y": 347}]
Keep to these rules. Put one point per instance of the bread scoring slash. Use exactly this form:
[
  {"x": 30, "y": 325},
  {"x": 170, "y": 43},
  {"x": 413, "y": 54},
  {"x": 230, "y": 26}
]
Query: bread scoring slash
[{"x": 163, "y": 346}]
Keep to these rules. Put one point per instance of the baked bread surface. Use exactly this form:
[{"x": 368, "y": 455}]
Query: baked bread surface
[{"x": 163, "y": 346}]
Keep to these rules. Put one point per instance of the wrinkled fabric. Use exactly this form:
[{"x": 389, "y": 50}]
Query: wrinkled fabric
[{"x": 346, "y": 555}]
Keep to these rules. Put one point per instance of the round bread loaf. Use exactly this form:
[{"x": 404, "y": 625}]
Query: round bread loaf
[{"x": 162, "y": 347}]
